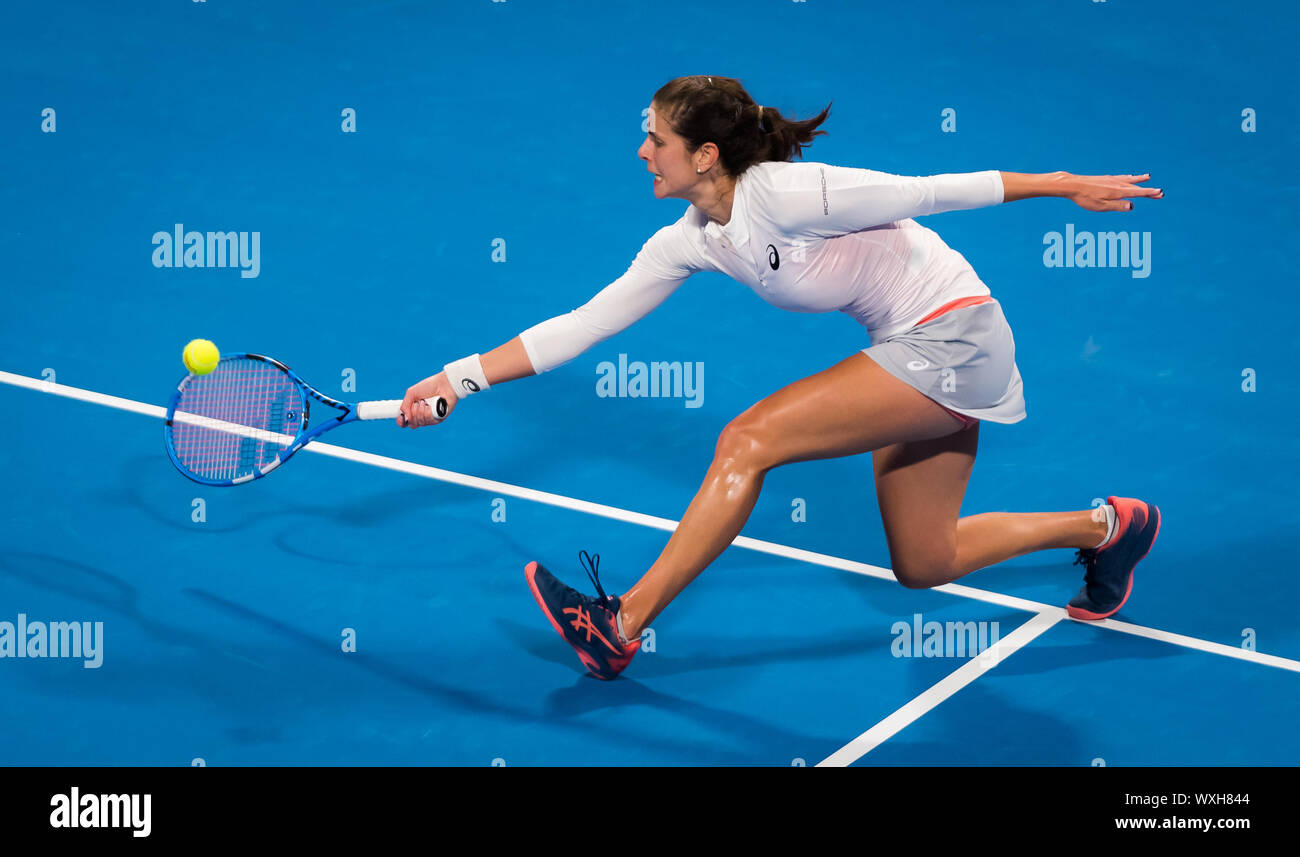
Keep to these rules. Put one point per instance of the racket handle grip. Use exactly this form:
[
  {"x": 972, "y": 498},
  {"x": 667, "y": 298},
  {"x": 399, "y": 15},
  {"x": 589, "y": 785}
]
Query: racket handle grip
[{"x": 390, "y": 408}]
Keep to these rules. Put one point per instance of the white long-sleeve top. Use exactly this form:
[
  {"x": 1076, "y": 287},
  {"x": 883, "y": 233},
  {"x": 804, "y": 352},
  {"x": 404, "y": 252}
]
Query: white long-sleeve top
[{"x": 805, "y": 236}]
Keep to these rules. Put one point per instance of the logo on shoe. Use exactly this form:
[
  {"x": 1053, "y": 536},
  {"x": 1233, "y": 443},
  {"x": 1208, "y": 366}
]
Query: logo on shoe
[{"x": 582, "y": 622}]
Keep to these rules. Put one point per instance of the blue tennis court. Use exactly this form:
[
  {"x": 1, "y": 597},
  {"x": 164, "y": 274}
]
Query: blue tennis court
[{"x": 425, "y": 181}]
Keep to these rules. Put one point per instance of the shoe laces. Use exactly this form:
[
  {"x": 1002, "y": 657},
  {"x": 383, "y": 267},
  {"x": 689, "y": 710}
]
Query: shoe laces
[
  {"x": 591, "y": 565},
  {"x": 1086, "y": 557}
]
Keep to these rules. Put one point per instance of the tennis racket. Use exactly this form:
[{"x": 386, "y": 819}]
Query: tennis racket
[{"x": 249, "y": 415}]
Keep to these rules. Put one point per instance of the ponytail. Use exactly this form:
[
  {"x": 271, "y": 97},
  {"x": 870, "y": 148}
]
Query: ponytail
[
  {"x": 786, "y": 137},
  {"x": 718, "y": 110}
]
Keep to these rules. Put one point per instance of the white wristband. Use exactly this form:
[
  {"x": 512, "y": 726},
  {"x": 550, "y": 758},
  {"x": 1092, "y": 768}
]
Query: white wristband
[{"x": 466, "y": 376}]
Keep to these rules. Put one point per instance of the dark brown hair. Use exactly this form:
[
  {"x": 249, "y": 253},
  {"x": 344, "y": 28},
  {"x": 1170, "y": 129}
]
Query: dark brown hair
[{"x": 718, "y": 110}]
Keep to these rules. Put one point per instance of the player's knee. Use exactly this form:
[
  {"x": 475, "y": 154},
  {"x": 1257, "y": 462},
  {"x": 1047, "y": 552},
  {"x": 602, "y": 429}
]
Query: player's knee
[
  {"x": 922, "y": 571},
  {"x": 742, "y": 444}
]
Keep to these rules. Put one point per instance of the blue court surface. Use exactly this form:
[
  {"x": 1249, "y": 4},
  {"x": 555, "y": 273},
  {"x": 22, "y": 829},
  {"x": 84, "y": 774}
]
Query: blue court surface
[{"x": 486, "y": 180}]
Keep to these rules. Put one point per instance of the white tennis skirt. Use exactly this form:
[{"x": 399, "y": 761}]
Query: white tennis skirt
[{"x": 964, "y": 359}]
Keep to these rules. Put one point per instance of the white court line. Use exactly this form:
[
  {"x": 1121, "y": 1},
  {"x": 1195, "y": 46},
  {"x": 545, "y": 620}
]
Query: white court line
[
  {"x": 950, "y": 684},
  {"x": 1195, "y": 643},
  {"x": 798, "y": 554},
  {"x": 233, "y": 428}
]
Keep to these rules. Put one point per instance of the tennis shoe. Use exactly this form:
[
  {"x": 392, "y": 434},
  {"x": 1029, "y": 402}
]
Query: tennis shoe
[
  {"x": 588, "y": 624},
  {"x": 1108, "y": 570}
]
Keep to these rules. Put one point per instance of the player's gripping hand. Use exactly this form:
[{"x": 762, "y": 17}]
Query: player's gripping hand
[{"x": 416, "y": 413}]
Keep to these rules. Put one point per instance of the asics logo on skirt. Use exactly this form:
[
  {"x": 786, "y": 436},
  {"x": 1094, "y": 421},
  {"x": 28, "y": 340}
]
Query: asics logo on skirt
[{"x": 918, "y": 364}]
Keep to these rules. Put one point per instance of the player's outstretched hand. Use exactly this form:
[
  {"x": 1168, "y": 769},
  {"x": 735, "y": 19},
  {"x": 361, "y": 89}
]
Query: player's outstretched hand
[
  {"x": 1109, "y": 193},
  {"x": 416, "y": 413}
]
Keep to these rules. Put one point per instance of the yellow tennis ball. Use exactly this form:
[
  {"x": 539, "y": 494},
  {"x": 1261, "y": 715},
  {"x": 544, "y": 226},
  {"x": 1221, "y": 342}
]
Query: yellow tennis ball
[{"x": 200, "y": 356}]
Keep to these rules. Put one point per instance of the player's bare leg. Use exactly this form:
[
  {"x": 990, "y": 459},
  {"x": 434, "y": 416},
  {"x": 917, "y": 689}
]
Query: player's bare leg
[
  {"x": 853, "y": 407},
  {"x": 920, "y": 486}
]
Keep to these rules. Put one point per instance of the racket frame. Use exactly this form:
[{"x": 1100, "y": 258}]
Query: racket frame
[{"x": 301, "y": 439}]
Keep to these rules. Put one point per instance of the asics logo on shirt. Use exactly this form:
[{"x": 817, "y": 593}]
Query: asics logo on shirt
[{"x": 773, "y": 258}]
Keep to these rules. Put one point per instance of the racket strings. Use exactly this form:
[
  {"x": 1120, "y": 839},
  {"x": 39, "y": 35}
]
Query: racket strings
[{"x": 236, "y": 419}]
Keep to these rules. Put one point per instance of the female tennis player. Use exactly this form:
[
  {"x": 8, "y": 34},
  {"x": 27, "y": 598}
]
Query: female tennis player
[{"x": 811, "y": 237}]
